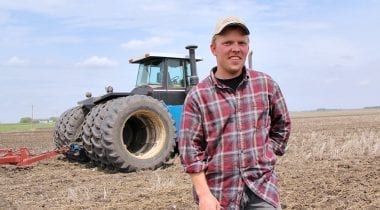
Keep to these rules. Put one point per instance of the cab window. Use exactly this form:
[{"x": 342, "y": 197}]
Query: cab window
[
  {"x": 176, "y": 73},
  {"x": 151, "y": 73}
]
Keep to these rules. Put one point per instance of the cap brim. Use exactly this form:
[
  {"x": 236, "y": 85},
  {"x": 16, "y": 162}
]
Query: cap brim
[{"x": 242, "y": 26}]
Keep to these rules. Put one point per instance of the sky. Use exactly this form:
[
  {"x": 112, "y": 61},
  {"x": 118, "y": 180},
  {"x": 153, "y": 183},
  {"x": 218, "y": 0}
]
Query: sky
[{"x": 322, "y": 53}]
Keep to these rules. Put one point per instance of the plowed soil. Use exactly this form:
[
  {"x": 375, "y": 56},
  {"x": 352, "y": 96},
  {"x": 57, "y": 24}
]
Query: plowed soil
[{"x": 332, "y": 162}]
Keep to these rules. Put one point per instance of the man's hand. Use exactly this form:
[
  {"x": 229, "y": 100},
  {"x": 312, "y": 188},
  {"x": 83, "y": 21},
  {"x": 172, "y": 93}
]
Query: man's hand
[{"x": 207, "y": 200}]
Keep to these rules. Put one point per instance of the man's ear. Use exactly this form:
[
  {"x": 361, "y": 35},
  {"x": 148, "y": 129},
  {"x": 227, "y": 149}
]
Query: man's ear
[{"x": 212, "y": 48}]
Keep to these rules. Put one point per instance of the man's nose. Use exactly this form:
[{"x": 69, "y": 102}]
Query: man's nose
[{"x": 236, "y": 47}]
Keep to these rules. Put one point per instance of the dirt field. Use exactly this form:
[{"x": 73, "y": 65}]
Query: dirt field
[{"x": 332, "y": 162}]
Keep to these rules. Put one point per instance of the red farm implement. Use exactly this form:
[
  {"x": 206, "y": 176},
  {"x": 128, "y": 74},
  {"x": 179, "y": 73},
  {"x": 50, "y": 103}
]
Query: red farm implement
[{"x": 24, "y": 158}]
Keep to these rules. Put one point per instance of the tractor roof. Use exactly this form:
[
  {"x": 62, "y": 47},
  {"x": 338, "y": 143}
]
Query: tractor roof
[{"x": 148, "y": 56}]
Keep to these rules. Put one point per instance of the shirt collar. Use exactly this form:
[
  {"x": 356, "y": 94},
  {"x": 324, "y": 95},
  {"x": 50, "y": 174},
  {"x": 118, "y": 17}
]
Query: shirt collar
[{"x": 218, "y": 84}]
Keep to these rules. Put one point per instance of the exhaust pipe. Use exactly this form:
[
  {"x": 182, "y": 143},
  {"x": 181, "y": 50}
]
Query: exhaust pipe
[
  {"x": 250, "y": 61},
  {"x": 194, "y": 76}
]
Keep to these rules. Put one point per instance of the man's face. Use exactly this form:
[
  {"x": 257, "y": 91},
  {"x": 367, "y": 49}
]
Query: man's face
[{"x": 230, "y": 49}]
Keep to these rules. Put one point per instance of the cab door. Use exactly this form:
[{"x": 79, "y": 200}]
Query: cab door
[{"x": 176, "y": 81}]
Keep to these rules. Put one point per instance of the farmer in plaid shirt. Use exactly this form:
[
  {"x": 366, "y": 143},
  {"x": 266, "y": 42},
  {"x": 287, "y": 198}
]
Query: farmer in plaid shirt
[{"x": 234, "y": 124}]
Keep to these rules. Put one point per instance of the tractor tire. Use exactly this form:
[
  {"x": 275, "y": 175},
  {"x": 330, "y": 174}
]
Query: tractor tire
[
  {"x": 92, "y": 135},
  {"x": 87, "y": 132},
  {"x": 58, "y": 141},
  {"x": 68, "y": 130},
  {"x": 138, "y": 133}
]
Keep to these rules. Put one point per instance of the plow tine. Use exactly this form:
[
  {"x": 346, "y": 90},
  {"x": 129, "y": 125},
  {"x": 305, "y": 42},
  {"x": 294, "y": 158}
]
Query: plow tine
[{"x": 24, "y": 157}]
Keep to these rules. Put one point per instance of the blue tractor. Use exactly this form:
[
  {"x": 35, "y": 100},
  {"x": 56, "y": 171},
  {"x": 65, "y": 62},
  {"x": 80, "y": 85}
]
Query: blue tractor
[{"x": 134, "y": 130}]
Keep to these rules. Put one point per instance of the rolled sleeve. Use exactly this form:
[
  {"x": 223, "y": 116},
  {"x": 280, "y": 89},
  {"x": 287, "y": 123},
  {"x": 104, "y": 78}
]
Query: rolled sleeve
[
  {"x": 191, "y": 143},
  {"x": 280, "y": 122}
]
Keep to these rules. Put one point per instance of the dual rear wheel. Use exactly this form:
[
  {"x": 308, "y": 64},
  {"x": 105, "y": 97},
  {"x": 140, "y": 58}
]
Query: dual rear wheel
[{"x": 129, "y": 133}]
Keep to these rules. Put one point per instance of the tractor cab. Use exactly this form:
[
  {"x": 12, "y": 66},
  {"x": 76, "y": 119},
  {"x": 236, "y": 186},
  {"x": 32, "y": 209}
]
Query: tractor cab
[{"x": 165, "y": 77}]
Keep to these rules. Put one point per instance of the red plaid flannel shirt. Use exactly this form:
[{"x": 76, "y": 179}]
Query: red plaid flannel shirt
[{"x": 233, "y": 136}]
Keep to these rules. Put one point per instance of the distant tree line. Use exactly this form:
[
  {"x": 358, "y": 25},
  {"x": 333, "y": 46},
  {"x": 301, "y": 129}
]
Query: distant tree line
[
  {"x": 30, "y": 120},
  {"x": 325, "y": 109},
  {"x": 372, "y": 107}
]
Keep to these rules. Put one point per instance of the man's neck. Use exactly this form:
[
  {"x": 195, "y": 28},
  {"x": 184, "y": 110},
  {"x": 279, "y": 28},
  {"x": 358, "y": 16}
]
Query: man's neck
[
  {"x": 219, "y": 74},
  {"x": 232, "y": 82}
]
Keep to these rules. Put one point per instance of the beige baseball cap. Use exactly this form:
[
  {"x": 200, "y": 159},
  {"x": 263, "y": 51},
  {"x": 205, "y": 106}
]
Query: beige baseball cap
[{"x": 230, "y": 21}]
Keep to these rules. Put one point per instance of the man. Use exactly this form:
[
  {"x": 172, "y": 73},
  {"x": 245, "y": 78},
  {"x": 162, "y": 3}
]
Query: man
[{"x": 233, "y": 124}]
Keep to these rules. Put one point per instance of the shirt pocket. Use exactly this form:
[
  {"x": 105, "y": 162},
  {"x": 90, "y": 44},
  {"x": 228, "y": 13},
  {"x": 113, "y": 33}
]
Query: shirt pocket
[{"x": 261, "y": 117}]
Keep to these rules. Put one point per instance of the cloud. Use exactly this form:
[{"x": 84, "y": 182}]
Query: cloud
[
  {"x": 300, "y": 25},
  {"x": 62, "y": 40},
  {"x": 16, "y": 61},
  {"x": 364, "y": 83},
  {"x": 145, "y": 44},
  {"x": 98, "y": 14},
  {"x": 97, "y": 62},
  {"x": 4, "y": 17},
  {"x": 331, "y": 80}
]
